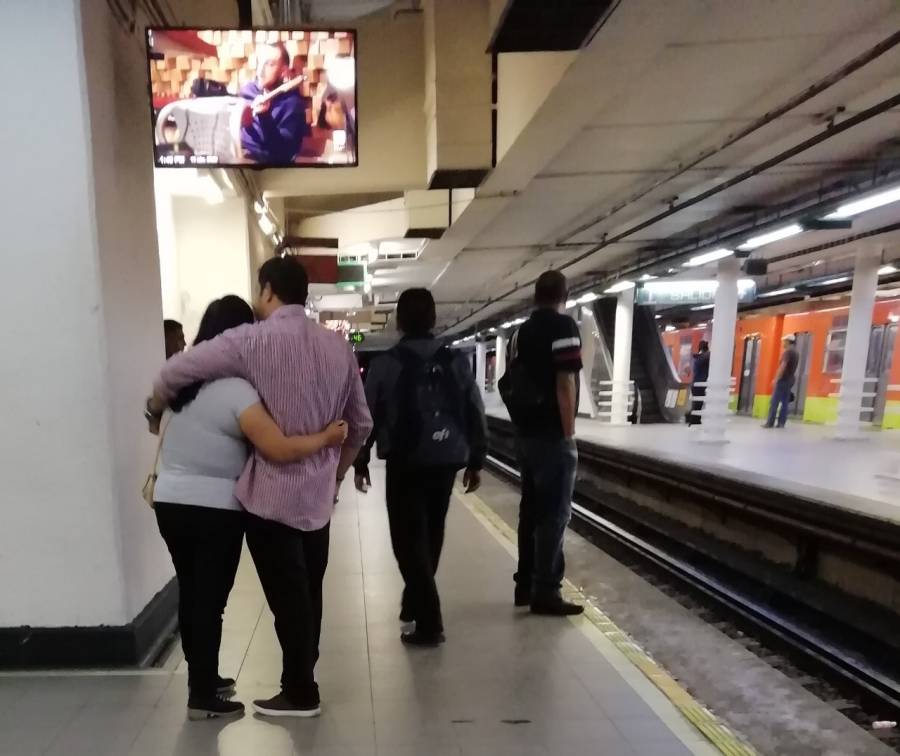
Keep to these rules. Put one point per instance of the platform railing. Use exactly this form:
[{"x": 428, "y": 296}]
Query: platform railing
[
  {"x": 605, "y": 400},
  {"x": 716, "y": 412}
]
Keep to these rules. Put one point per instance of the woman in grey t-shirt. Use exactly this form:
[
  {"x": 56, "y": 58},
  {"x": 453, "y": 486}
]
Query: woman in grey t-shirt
[{"x": 204, "y": 450}]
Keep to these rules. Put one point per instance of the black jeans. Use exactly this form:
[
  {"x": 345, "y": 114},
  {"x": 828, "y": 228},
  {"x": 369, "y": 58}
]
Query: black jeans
[
  {"x": 548, "y": 468},
  {"x": 291, "y": 566},
  {"x": 205, "y": 544},
  {"x": 417, "y": 502}
]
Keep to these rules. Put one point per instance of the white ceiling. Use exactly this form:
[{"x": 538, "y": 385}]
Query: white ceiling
[{"x": 658, "y": 85}]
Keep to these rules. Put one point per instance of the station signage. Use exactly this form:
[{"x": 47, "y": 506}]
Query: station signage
[
  {"x": 357, "y": 337},
  {"x": 674, "y": 293}
]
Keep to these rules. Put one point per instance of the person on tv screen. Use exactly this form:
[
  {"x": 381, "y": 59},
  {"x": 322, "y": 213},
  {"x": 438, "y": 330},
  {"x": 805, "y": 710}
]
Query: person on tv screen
[{"x": 272, "y": 128}]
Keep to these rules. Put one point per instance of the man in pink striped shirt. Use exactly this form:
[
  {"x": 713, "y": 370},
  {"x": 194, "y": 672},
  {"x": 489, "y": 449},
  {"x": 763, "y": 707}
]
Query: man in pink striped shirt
[{"x": 307, "y": 377}]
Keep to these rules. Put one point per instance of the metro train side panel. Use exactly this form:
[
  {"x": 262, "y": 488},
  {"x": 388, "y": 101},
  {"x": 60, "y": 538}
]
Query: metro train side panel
[{"x": 824, "y": 323}]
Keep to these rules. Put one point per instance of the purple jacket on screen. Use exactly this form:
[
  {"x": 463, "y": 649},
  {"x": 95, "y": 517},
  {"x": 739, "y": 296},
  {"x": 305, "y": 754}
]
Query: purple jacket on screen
[{"x": 275, "y": 136}]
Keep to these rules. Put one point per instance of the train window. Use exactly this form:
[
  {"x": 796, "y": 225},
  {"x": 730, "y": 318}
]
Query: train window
[{"x": 834, "y": 350}]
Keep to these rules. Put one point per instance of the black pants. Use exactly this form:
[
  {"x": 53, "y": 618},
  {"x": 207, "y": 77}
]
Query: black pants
[
  {"x": 696, "y": 405},
  {"x": 548, "y": 468},
  {"x": 417, "y": 502},
  {"x": 205, "y": 545},
  {"x": 291, "y": 566}
]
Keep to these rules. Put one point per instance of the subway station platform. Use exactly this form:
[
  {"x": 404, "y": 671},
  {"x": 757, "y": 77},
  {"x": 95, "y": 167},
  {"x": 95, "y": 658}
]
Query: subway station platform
[
  {"x": 506, "y": 682},
  {"x": 803, "y": 459}
]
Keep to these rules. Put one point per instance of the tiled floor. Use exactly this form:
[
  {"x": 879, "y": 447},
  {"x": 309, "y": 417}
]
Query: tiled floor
[
  {"x": 803, "y": 459},
  {"x": 505, "y": 682}
]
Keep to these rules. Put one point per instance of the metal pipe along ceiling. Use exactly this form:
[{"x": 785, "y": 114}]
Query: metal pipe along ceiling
[{"x": 832, "y": 130}]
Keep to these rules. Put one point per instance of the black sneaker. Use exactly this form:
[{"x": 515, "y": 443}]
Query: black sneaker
[
  {"x": 556, "y": 608},
  {"x": 213, "y": 707},
  {"x": 282, "y": 706},
  {"x": 417, "y": 638},
  {"x": 522, "y": 595},
  {"x": 225, "y": 686}
]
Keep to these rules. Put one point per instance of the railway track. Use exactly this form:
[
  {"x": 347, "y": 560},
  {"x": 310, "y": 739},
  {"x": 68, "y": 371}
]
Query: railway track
[{"x": 842, "y": 665}]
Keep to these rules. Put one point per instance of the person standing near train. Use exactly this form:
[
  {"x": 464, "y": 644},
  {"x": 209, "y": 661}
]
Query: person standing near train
[{"x": 784, "y": 382}]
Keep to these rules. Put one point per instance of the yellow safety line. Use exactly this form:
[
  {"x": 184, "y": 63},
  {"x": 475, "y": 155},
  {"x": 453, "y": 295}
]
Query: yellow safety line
[{"x": 713, "y": 729}]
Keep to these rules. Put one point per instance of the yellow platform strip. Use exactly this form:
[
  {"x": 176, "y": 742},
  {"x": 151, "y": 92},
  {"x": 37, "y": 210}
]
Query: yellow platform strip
[{"x": 703, "y": 720}]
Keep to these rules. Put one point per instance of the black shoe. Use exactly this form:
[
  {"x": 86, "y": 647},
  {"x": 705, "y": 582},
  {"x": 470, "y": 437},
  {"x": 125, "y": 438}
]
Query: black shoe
[
  {"x": 213, "y": 707},
  {"x": 522, "y": 595},
  {"x": 417, "y": 638},
  {"x": 225, "y": 686},
  {"x": 766, "y": 425},
  {"x": 282, "y": 706},
  {"x": 556, "y": 608}
]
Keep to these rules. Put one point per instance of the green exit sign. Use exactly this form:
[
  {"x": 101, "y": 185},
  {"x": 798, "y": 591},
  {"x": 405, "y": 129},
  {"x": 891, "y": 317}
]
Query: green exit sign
[{"x": 357, "y": 337}]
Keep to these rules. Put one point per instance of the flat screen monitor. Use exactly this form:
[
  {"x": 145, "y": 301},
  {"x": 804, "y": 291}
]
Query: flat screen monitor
[{"x": 250, "y": 98}]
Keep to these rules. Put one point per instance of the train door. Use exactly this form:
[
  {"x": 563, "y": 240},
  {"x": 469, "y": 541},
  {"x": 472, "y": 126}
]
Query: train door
[
  {"x": 803, "y": 345},
  {"x": 878, "y": 365},
  {"x": 749, "y": 363}
]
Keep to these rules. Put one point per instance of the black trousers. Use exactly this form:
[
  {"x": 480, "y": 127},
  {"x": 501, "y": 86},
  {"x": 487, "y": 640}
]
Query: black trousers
[
  {"x": 417, "y": 503},
  {"x": 291, "y": 566},
  {"x": 205, "y": 545}
]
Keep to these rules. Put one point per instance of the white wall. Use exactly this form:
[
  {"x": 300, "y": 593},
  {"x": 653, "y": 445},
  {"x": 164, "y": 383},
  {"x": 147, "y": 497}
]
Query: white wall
[
  {"x": 81, "y": 323},
  {"x": 523, "y": 82},
  {"x": 211, "y": 256}
]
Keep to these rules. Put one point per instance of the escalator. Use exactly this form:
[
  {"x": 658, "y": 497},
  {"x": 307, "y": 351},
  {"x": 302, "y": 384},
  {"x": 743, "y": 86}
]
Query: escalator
[{"x": 663, "y": 398}]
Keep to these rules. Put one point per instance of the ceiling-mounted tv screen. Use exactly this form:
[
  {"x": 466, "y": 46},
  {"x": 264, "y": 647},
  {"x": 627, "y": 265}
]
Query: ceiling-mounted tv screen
[{"x": 250, "y": 98}]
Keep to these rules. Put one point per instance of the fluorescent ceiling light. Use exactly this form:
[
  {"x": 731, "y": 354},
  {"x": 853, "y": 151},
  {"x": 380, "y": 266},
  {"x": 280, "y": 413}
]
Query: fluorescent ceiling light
[
  {"x": 570, "y": 303},
  {"x": 703, "y": 307},
  {"x": 648, "y": 277},
  {"x": 518, "y": 321},
  {"x": 507, "y": 324},
  {"x": 266, "y": 226},
  {"x": 772, "y": 236},
  {"x": 620, "y": 286},
  {"x": 866, "y": 203},
  {"x": 886, "y": 270},
  {"x": 492, "y": 330},
  {"x": 832, "y": 281},
  {"x": 669, "y": 328},
  {"x": 259, "y": 207},
  {"x": 778, "y": 292},
  {"x": 708, "y": 257},
  {"x": 589, "y": 297}
]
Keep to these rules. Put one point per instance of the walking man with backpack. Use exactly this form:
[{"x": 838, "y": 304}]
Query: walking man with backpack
[
  {"x": 429, "y": 424},
  {"x": 540, "y": 390}
]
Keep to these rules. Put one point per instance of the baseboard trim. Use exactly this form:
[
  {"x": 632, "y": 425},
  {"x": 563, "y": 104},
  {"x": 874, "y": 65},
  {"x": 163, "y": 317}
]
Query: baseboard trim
[{"x": 134, "y": 644}]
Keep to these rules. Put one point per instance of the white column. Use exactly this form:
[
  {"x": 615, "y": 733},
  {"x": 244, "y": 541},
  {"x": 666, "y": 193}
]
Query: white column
[
  {"x": 500, "y": 359},
  {"x": 586, "y": 403},
  {"x": 856, "y": 347},
  {"x": 721, "y": 351},
  {"x": 622, "y": 357},
  {"x": 480, "y": 364}
]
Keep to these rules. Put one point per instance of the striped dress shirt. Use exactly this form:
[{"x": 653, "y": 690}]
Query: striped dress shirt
[{"x": 307, "y": 377}]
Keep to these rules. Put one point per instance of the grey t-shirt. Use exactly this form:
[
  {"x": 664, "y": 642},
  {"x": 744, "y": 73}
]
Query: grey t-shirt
[
  {"x": 203, "y": 451},
  {"x": 791, "y": 358}
]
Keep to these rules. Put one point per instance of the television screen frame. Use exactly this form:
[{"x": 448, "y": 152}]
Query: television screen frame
[{"x": 187, "y": 163}]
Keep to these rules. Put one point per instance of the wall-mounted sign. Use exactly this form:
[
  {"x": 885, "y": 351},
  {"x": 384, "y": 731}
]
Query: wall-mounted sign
[
  {"x": 357, "y": 337},
  {"x": 674, "y": 293}
]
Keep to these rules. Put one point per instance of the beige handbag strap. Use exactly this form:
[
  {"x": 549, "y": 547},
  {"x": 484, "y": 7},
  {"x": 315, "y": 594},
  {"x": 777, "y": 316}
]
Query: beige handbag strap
[{"x": 164, "y": 424}]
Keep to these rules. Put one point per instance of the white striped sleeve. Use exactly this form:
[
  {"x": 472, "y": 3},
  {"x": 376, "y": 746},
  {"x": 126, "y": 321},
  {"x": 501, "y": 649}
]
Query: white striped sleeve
[{"x": 566, "y": 343}]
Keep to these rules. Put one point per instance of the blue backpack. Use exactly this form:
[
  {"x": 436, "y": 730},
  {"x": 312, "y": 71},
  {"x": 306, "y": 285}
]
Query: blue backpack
[{"x": 431, "y": 427}]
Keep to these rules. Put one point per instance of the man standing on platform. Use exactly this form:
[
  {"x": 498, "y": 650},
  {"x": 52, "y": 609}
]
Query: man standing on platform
[
  {"x": 784, "y": 382},
  {"x": 304, "y": 374},
  {"x": 540, "y": 389}
]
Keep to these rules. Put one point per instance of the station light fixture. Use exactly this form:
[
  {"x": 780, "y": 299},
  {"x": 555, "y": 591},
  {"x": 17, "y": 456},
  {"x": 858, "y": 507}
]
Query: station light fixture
[
  {"x": 648, "y": 277},
  {"x": 507, "y": 324},
  {"x": 669, "y": 328},
  {"x": 585, "y": 298},
  {"x": 784, "y": 232},
  {"x": 619, "y": 287},
  {"x": 492, "y": 330},
  {"x": 708, "y": 257},
  {"x": 570, "y": 303},
  {"x": 703, "y": 307},
  {"x": 778, "y": 292},
  {"x": 866, "y": 203},
  {"x": 887, "y": 270},
  {"x": 519, "y": 321}
]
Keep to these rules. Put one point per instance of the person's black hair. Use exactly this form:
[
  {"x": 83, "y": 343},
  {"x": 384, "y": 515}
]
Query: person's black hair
[
  {"x": 171, "y": 326},
  {"x": 222, "y": 314},
  {"x": 287, "y": 278},
  {"x": 416, "y": 313},
  {"x": 703, "y": 346},
  {"x": 551, "y": 288},
  {"x": 285, "y": 56}
]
